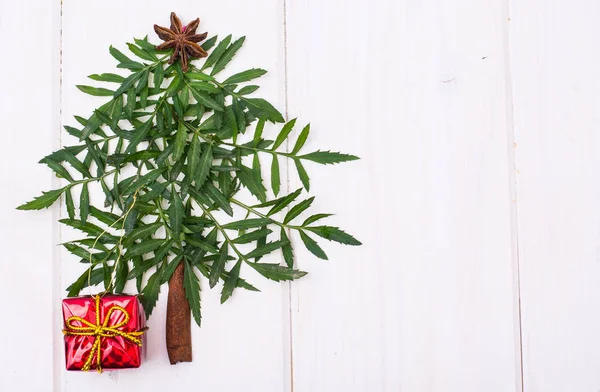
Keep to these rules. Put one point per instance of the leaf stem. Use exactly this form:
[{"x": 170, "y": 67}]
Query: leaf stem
[
  {"x": 255, "y": 212},
  {"x": 223, "y": 232}
]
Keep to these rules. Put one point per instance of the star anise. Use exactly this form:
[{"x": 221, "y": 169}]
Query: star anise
[{"x": 183, "y": 38}]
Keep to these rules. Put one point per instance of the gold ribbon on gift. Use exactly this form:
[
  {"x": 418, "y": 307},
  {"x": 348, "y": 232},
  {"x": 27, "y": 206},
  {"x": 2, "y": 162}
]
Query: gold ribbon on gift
[{"x": 100, "y": 331}]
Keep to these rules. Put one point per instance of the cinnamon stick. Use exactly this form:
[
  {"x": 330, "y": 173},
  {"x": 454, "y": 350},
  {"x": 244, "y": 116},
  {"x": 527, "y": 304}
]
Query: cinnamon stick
[{"x": 179, "y": 334}]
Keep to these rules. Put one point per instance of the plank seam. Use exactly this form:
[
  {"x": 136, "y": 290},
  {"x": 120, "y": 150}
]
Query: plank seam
[
  {"x": 57, "y": 212},
  {"x": 514, "y": 216},
  {"x": 288, "y": 185}
]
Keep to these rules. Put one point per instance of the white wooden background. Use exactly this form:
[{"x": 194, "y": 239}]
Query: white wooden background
[{"x": 477, "y": 197}]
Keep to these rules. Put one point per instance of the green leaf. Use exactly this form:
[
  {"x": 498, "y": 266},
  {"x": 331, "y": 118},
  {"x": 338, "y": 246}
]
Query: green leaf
[
  {"x": 131, "y": 101},
  {"x": 103, "y": 216},
  {"x": 246, "y": 176},
  {"x": 205, "y": 246},
  {"x": 168, "y": 268},
  {"x": 328, "y": 157},
  {"x": 93, "y": 278},
  {"x": 301, "y": 139},
  {"x": 142, "y": 231},
  {"x": 176, "y": 213},
  {"x": 44, "y": 201},
  {"x": 312, "y": 246},
  {"x": 218, "y": 266},
  {"x": 150, "y": 293},
  {"x": 287, "y": 250},
  {"x": 192, "y": 291},
  {"x": 158, "y": 188},
  {"x": 245, "y": 76},
  {"x": 334, "y": 234},
  {"x": 205, "y": 86},
  {"x": 76, "y": 164},
  {"x": 218, "y": 198},
  {"x": 285, "y": 201},
  {"x": 131, "y": 220},
  {"x": 284, "y": 133},
  {"x": 96, "y": 91},
  {"x": 265, "y": 249},
  {"x": 69, "y": 204},
  {"x": 209, "y": 43},
  {"x": 58, "y": 169},
  {"x": 91, "y": 126},
  {"x": 247, "y": 223},
  {"x": 205, "y": 100},
  {"x": 143, "y": 180},
  {"x": 252, "y": 236},
  {"x": 107, "y": 77},
  {"x": 84, "y": 203},
  {"x": 121, "y": 272},
  {"x": 159, "y": 256},
  {"x": 193, "y": 156},
  {"x": 143, "y": 155},
  {"x": 227, "y": 55},
  {"x": 59, "y": 155},
  {"x": 261, "y": 108},
  {"x": 159, "y": 75},
  {"x": 260, "y": 125},
  {"x": 231, "y": 282},
  {"x": 128, "y": 83},
  {"x": 143, "y": 247},
  {"x": 199, "y": 76},
  {"x": 275, "y": 180},
  {"x": 131, "y": 65},
  {"x": 248, "y": 90},
  {"x": 204, "y": 166},
  {"x": 314, "y": 218},
  {"x": 138, "y": 135},
  {"x": 87, "y": 227},
  {"x": 140, "y": 53},
  {"x": 277, "y": 272},
  {"x": 78, "y": 251},
  {"x": 256, "y": 170},
  {"x": 116, "y": 113},
  {"x": 217, "y": 53},
  {"x": 180, "y": 141},
  {"x": 231, "y": 120},
  {"x": 144, "y": 97},
  {"x": 302, "y": 174},
  {"x": 297, "y": 209},
  {"x": 118, "y": 55}
]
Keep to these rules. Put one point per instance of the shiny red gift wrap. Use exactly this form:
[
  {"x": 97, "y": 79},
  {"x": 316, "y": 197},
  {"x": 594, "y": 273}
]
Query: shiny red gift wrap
[{"x": 117, "y": 352}]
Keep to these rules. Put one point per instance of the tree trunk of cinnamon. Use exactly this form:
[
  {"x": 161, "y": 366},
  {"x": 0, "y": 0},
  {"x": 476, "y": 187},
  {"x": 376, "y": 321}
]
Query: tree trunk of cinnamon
[{"x": 179, "y": 334}]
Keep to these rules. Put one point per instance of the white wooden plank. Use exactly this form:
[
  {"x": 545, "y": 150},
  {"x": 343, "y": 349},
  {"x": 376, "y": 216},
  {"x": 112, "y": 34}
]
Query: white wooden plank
[
  {"x": 30, "y": 128},
  {"x": 556, "y": 67},
  {"x": 418, "y": 89},
  {"x": 241, "y": 343}
]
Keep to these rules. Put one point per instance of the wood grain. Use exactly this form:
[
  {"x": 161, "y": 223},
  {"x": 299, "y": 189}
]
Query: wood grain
[
  {"x": 555, "y": 66},
  {"x": 420, "y": 91},
  {"x": 30, "y": 125},
  {"x": 427, "y": 93}
]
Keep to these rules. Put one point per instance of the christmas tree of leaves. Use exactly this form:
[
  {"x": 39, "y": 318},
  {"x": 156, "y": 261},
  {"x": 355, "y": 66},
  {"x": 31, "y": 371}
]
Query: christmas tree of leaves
[{"x": 173, "y": 149}]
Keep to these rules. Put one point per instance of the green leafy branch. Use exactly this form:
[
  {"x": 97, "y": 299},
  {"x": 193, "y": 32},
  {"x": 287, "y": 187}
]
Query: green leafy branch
[{"x": 183, "y": 145}]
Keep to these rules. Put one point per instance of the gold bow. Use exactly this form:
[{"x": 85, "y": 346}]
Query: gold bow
[{"x": 100, "y": 331}]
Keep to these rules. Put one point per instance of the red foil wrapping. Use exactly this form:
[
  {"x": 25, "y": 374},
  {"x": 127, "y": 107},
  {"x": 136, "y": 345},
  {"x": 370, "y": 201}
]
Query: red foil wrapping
[{"x": 116, "y": 352}]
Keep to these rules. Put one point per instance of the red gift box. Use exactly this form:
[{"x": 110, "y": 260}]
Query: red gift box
[{"x": 103, "y": 332}]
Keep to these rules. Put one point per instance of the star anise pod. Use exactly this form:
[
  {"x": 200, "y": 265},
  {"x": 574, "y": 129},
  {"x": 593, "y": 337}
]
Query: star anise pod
[{"x": 183, "y": 38}]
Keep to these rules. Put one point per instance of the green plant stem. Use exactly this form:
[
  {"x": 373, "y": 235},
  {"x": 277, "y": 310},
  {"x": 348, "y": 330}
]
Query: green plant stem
[
  {"x": 86, "y": 180},
  {"x": 223, "y": 232},
  {"x": 255, "y": 212},
  {"x": 235, "y": 145},
  {"x": 161, "y": 213}
]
